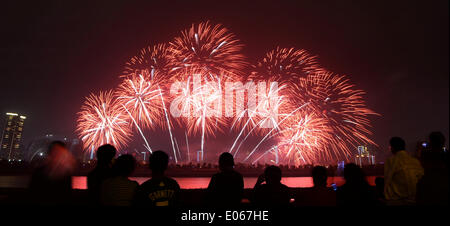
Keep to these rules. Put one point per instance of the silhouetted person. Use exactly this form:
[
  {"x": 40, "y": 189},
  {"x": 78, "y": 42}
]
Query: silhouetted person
[
  {"x": 433, "y": 187},
  {"x": 401, "y": 174},
  {"x": 356, "y": 191},
  {"x": 51, "y": 183},
  {"x": 160, "y": 190},
  {"x": 320, "y": 194},
  {"x": 227, "y": 186},
  {"x": 273, "y": 193},
  {"x": 118, "y": 190},
  {"x": 105, "y": 156}
]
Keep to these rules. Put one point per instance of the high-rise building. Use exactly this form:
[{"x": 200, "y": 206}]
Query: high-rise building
[
  {"x": 12, "y": 137},
  {"x": 364, "y": 157}
]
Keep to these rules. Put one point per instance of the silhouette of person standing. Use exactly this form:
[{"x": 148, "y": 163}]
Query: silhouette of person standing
[
  {"x": 160, "y": 190},
  {"x": 227, "y": 186},
  {"x": 433, "y": 187},
  {"x": 105, "y": 156}
]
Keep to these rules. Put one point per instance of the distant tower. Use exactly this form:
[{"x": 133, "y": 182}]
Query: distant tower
[
  {"x": 364, "y": 157},
  {"x": 12, "y": 137},
  {"x": 199, "y": 156}
]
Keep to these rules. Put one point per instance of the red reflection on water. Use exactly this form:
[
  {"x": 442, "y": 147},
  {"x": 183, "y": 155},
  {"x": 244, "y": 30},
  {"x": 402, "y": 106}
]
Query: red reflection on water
[{"x": 80, "y": 182}]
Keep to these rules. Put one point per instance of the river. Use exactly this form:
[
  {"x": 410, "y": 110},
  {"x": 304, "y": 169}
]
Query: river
[{"x": 80, "y": 182}]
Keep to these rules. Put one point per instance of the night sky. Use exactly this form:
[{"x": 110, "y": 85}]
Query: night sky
[{"x": 53, "y": 54}]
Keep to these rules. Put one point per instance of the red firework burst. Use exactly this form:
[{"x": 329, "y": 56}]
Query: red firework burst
[
  {"x": 198, "y": 98},
  {"x": 336, "y": 100},
  {"x": 102, "y": 121},
  {"x": 211, "y": 47},
  {"x": 140, "y": 95},
  {"x": 303, "y": 137},
  {"x": 153, "y": 59},
  {"x": 285, "y": 65}
]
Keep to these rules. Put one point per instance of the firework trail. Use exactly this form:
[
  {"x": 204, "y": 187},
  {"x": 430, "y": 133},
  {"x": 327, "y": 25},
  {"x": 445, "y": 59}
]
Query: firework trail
[
  {"x": 102, "y": 121},
  {"x": 274, "y": 149},
  {"x": 154, "y": 59},
  {"x": 178, "y": 148},
  {"x": 187, "y": 146},
  {"x": 242, "y": 115},
  {"x": 271, "y": 106},
  {"x": 199, "y": 100},
  {"x": 210, "y": 47},
  {"x": 287, "y": 117},
  {"x": 245, "y": 119},
  {"x": 146, "y": 145},
  {"x": 168, "y": 124}
]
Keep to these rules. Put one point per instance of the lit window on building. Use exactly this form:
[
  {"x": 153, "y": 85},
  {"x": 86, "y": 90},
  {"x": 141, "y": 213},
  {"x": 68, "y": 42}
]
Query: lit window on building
[{"x": 12, "y": 136}]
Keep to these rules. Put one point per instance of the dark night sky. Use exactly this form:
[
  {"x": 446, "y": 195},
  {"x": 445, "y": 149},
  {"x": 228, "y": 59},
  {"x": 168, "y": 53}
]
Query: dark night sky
[{"x": 53, "y": 54}]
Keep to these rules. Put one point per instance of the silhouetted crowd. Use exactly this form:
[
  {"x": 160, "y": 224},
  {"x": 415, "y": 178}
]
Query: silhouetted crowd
[{"x": 407, "y": 181}]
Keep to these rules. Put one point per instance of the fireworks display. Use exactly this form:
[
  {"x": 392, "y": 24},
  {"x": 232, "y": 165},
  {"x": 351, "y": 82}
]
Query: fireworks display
[
  {"x": 343, "y": 108},
  {"x": 139, "y": 94},
  {"x": 291, "y": 105},
  {"x": 103, "y": 121}
]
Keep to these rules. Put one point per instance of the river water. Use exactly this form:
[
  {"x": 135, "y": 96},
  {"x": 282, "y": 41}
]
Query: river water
[{"x": 80, "y": 182}]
